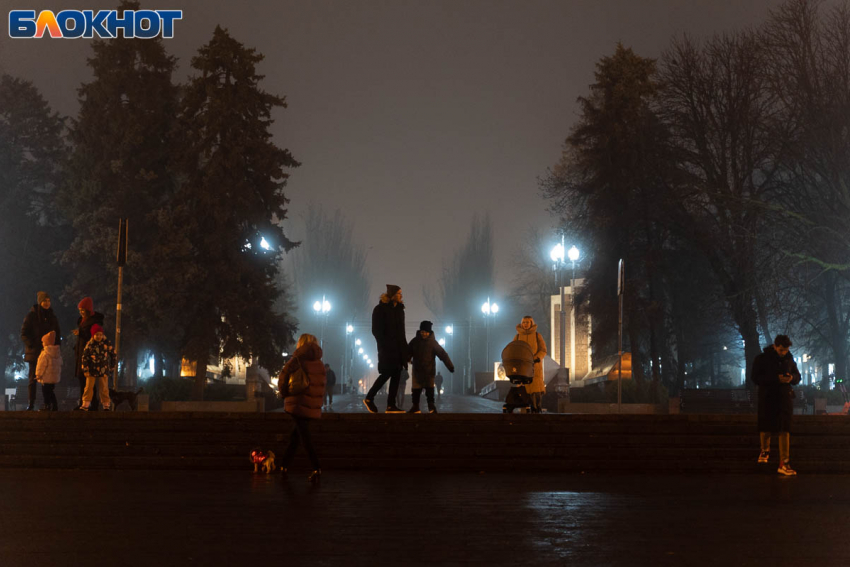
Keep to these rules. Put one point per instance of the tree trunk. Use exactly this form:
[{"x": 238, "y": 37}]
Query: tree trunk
[
  {"x": 158, "y": 362},
  {"x": 200, "y": 379}
]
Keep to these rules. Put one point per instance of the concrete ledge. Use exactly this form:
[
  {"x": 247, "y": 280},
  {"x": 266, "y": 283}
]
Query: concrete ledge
[
  {"x": 564, "y": 406},
  {"x": 249, "y": 406}
]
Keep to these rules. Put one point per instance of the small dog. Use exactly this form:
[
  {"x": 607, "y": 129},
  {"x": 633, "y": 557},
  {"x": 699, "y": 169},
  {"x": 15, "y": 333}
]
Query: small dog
[
  {"x": 117, "y": 397},
  {"x": 264, "y": 459}
]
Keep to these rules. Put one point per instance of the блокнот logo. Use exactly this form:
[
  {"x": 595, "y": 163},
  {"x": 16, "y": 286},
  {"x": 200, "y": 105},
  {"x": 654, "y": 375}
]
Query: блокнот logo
[{"x": 72, "y": 24}]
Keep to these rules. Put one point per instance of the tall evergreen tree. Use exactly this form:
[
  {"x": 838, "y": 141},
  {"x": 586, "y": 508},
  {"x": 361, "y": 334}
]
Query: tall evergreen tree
[
  {"x": 608, "y": 189},
  {"x": 31, "y": 155},
  {"x": 120, "y": 168},
  {"x": 230, "y": 202}
]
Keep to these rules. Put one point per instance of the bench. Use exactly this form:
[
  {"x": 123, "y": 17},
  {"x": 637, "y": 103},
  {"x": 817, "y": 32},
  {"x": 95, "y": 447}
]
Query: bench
[{"x": 723, "y": 401}]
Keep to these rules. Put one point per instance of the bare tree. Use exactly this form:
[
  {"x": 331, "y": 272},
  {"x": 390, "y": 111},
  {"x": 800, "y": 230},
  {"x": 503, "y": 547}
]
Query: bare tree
[{"x": 533, "y": 280}]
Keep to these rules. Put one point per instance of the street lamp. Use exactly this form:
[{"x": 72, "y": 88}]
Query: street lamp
[
  {"x": 321, "y": 308},
  {"x": 557, "y": 254},
  {"x": 489, "y": 310},
  {"x": 346, "y": 358},
  {"x": 450, "y": 330},
  {"x": 573, "y": 255},
  {"x": 360, "y": 350}
]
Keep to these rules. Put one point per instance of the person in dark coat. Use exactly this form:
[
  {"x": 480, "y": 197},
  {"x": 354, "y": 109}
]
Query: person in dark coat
[
  {"x": 402, "y": 387},
  {"x": 329, "y": 387},
  {"x": 775, "y": 372},
  {"x": 88, "y": 317},
  {"x": 424, "y": 349},
  {"x": 39, "y": 321},
  {"x": 388, "y": 330},
  {"x": 307, "y": 405}
]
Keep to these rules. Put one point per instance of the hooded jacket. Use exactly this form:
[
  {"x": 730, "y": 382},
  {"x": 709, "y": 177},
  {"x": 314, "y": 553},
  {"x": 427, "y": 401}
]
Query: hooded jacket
[
  {"x": 37, "y": 323},
  {"x": 776, "y": 400},
  {"x": 423, "y": 354},
  {"x": 388, "y": 330},
  {"x": 83, "y": 337},
  {"x": 538, "y": 347},
  {"x": 99, "y": 358},
  {"x": 308, "y": 403},
  {"x": 48, "y": 370}
]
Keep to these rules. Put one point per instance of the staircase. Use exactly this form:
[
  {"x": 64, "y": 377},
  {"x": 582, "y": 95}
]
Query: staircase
[{"x": 459, "y": 442}]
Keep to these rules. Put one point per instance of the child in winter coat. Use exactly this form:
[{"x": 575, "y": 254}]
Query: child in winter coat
[
  {"x": 98, "y": 364},
  {"x": 422, "y": 350},
  {"x": 48, "y": 370}
]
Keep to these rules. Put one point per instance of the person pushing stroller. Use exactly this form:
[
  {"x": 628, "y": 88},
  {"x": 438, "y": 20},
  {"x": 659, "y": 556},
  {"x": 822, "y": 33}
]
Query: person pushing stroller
[{"x": 422, "y": 351}]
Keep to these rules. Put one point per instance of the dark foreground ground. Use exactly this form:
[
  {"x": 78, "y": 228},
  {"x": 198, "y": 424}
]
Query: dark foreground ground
[{"x": 92, "y": 518}]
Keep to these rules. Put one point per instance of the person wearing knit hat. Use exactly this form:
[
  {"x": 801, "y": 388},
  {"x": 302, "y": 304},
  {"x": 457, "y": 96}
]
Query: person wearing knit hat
[
  {"x": 39, "y": 321},
  {"x": 98, "y": 365},
  {"x": 388, "y": 330},
  {"x": 88, "y": 318},
  {"x": 424, "y": 349},
  {"x": 48, "y": 370}
]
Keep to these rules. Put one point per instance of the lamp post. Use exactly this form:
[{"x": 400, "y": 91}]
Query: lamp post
[
  {"x": 557, "y": 256},
  {"x": 573, "y": 255},
  {"x": 489, "y": 310},
  {"x": 450, "y": 330},
  {"x": 321, "y": 308},
  {"x": 346, "y": 372}
]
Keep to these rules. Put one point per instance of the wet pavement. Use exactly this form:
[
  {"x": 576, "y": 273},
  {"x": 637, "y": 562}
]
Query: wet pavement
[{"x": 93, "y": 518}]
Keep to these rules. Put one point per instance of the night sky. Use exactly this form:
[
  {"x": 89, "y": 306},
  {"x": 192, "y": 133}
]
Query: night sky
[{"x": 411, "y": 116}]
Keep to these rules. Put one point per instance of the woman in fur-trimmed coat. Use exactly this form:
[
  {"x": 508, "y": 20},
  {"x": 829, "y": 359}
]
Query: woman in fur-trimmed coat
[
  {"x": 307, "y": 405},
  {"x": 527, "y": 332}
]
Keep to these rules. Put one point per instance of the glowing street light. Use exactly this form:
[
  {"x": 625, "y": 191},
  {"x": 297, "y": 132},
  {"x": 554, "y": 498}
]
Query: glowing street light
[
  {"x": 360, "y": 350},
  {"x": 573, "y": 254},
  {"x": 449, "y": 330},
  {"x": 489, "y": 310},
  {"x": 349, "y": 329},
  {"x": 322, "y": 307},
  {"x": 358, "y": 342},
  {"x": 442, "y": 342},
  {"x": 264, "y": 244},
  {"x": 557, "y": 253}
]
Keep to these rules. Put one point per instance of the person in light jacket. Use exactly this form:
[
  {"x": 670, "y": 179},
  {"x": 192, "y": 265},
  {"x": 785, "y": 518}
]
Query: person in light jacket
[
  {"x": 48, "y": 370},
  {"x": 307, "y": 405},
  {"x": 527, "y": 332}
]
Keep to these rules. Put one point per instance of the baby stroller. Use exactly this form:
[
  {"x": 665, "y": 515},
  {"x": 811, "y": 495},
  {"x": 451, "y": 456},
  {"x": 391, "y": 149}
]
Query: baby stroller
[{"x": 518, "y": 362}]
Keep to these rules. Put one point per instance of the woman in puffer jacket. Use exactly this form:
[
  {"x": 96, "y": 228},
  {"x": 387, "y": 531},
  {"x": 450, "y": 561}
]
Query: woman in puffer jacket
[
  {"x": 307, "y": 405},
  {"x": 48, "y": 370},
  {"x": 527, "y": 331}
]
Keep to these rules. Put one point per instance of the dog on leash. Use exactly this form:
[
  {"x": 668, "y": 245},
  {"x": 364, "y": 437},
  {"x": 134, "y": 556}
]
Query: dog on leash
[
  {"x": 117, "y": 397},
  {"x": 264, "y": 459}
]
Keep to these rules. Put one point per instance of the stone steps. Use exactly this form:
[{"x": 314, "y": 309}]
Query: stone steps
[{"x": 471, "y": 442}]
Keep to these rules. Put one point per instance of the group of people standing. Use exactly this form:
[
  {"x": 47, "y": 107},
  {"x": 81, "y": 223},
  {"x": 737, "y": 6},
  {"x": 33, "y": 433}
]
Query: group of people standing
[
  {"x": 395, "y": 353},
  {"x": 94, "y": 356}
]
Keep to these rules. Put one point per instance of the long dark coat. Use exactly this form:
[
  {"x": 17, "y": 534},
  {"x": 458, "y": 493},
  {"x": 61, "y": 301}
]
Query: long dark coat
[
  {"x": 83, "y": 337},
  {"x": 37, "y": 323},
  {"x": 388, "y": 330},
  {"x": 776, "y": 400},
  {"x": 423, "y": 353},
  {"x": 308, "y": 403}
]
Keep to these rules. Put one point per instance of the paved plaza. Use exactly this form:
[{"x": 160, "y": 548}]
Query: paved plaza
[{"x": 129, "y": 518}]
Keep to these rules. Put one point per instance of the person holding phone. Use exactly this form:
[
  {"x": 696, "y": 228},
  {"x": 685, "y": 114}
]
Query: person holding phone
[{"x": 775, "y": 372}]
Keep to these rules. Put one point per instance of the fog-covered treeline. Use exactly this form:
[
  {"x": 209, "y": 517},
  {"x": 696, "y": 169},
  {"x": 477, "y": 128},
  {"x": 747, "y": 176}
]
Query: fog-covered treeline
[{"x": 720, "y": 173}]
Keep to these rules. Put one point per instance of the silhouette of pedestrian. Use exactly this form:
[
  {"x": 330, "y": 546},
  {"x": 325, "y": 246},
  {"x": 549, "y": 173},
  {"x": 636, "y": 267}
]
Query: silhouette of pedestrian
[{"x": 388, "y": 330}]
